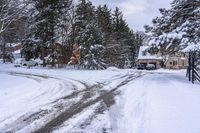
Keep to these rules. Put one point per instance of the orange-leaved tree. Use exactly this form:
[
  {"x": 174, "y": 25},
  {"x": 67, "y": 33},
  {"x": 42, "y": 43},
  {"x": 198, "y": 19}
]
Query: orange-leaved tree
[{"x": 75, "y": 55}]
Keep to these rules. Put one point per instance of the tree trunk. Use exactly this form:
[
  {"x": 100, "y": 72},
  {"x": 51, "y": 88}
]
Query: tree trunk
[
  {"x": 43, "y": 59},
  {"x": 4, "y": 51}
]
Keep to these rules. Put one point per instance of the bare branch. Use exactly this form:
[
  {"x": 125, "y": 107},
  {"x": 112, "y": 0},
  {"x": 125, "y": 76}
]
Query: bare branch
[{"x": 10, "y": 12}]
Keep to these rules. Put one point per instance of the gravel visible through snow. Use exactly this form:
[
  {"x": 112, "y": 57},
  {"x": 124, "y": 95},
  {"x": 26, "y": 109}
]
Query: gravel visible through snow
[
  {"x": 106, "y": 101},
  {"x": 63, "y": 108}
]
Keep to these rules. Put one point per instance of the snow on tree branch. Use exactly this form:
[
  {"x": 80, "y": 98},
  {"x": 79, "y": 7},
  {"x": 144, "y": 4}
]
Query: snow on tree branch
[
  {"x": 10, "y": 11},
  {"x": 177, "y": 27}
]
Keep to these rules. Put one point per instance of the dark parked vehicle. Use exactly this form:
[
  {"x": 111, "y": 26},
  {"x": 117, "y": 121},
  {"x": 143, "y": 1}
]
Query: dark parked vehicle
[
  {"x": 140, "y": 66},
  {"x": 150, "y": 67}
]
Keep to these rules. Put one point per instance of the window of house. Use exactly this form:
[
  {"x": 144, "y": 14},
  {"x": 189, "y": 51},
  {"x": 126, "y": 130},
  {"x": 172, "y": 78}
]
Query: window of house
[
  {"x": 143, "y": 53},
  {"x": 174, "y": 63},
  {"x": 183, "y": 63},
  {"x": 170, "y": 63}
]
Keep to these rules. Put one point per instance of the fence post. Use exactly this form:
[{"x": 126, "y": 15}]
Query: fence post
[
  {"x": 189, "y": 71},
  {"x": 193, "y": 60}
]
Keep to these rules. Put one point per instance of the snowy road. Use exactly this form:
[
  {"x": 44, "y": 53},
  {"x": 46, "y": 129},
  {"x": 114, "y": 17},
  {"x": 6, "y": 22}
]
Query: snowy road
[
  {"x": 48, "y": 102},
  {"x": 26, "y": 97},
  {"x": 110, "y": 101},
  {"x": 158, "y": 103}
]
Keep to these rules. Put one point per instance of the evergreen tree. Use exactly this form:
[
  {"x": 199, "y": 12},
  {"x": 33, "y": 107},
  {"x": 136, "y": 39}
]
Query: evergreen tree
[
  {"x": 46, "y": 22},
  {"x": 134, "y": 41},
  {"x": 102, "y": 36},
  {"x": 46, "y": 27},
  {"x": 104, "y": 19},
  {"x": 118, "y": 51},
  {"x": 91, "y": 41},
  {"x": 177, "y": 27},
  {"x": 30, "y": 47},
  {"x": 85, "y": 13},
  {"x": 89, "y": 36},
  {"x": 117, "y": 19}
]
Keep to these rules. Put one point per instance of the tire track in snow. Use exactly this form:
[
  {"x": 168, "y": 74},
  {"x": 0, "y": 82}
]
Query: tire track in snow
[
  {"x": 80, "y": 106},
  {"x": 28, "y": 118},
  {"x": 74, "y": 108}
]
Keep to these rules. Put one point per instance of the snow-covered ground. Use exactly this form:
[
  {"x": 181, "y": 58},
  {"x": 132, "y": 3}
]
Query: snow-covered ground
[
  {"x": 112, "y": 100},
  {"x": 158, "y": 103}
]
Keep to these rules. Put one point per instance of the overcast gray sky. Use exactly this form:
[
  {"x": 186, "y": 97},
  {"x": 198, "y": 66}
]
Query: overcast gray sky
[{"x": 137, "y": 12}]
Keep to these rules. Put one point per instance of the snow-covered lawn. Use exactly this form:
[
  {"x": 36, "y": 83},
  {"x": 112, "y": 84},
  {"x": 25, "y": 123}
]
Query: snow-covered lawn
[{"x": 112, "y": 100}]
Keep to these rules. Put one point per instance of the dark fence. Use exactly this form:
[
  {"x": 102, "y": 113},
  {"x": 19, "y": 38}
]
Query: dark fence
[{"x": 192, "y": 72}]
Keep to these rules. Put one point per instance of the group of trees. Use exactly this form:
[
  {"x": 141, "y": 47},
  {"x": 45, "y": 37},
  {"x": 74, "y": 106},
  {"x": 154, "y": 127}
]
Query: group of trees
[
  {"x": 103, "y": 36},
  {"x": 177, "y": 28},
  {"x": 12, "y": 24},
  {"x": 47, "y": 25}
]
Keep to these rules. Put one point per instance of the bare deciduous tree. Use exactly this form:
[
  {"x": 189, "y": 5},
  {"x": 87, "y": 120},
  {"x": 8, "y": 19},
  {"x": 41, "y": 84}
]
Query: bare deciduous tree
[{"x": 10, "y": 11}]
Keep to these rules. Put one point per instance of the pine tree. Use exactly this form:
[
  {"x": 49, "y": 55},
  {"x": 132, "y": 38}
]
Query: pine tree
[
  {"x": 104, "y": 19},
  {"x": 134, "y": 41},
  {"x": 89, "y": 36},
  {"x": 177, "y": 27},
  {"x": 91, "y": 41},
  {"x": 46, "y": 27},
  {"x": 30, "y": 44},
  {"x": 117, "y": 21},
  {"x": 118, "y": 51}
]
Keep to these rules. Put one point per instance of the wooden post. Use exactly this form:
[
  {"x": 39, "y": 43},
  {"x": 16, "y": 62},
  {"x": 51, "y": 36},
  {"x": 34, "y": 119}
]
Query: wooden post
[
  {"x": 4, "y": 51},
  {"x": 189, "y": 71},
  {"x": 193, "y": 59},
  {"x": 43, "y": 55}
]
